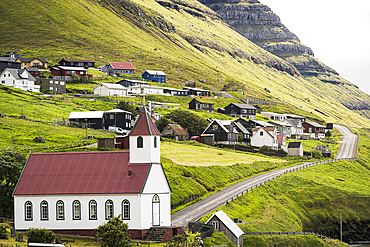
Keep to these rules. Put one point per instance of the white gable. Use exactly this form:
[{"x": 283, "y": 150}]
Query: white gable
[
  {"x": 227, "y": 222},
  {"x": 156, "y": 181}
]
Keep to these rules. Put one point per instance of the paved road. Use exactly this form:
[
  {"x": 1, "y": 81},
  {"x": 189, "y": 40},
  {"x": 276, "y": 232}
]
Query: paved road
[
  {"x": 210, "y": 203},
  {"x": 348, "y": 146}
]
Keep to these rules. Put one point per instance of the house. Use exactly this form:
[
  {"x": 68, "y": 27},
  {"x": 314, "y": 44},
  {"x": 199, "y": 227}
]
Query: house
[
  {"x": 34, "y": 71},
  {"x": 8, "y": 62},
  {"x": 110, "y": 89},
  {"x": 244, "y": 132},
  {"x": 174, "y": 92},
  {"x": 122, "y": 68},
  {"x": 282, "y": 128},
  {"x": 324, "y": 150},
  {"x": 131, "y": 83},
  {"x": 315, "y": 130},
  {"x": 32, "y": 62},
  {"x": 66, "y": 73},
  {"x": 102, "y": 119},
  {"x": 222, "y": 223},
  {"x": 197, "y": 105},
  {"x": 295, "y": 149},
  {"x": 197, "y": 92},
  {"x": 295, "y": 117},
  {"x": 296, "y": 128},
  {"x": 77, "y": 63},
  {"x": 262, "y": 136},
  {"x": 252, "y": 123},
  {"x": 281, "y": 142},
  {"x": 224, "y": 132},
  {"x": 154, "y": 75},
  {"x": 241, "y": 110},
  {"x": 55, "y": 86},
  {"x": 73, "y": 193},
  {"x": 19, "y": 78},
  {"x": 146, "y": 89},
  {"x": 274, "y": 116},
  {"x": 176, "y": 132}
]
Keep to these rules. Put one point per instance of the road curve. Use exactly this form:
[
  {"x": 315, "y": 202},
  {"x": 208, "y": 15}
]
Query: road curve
[
  {"x": 216, "y": 200},
  {"x": 348, "y": 146}
]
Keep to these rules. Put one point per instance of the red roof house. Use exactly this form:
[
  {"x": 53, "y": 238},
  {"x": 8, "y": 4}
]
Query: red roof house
[
  {"x": 73, "y": 193},
  {"x": 122, "y": 68}
]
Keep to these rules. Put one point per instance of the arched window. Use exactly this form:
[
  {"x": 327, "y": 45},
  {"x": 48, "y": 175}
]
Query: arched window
[
  {"x": 28, "y": 211},
  {"x": 140, "y": 142},
  {"x": 93, "y": 210},
  {"x": 44, "y": 210},
  {"x": 156, "y": 210},
  {"x": 60, "y": 210},
  {"x": 125, "y": 210},
  {"x": 108, "y": 209},
  {"x": 155, "y": 142},
  {"x": 76, "y": 209}
]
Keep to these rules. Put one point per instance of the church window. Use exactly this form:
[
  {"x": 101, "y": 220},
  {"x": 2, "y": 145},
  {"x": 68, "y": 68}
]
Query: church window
[
  {"x": 140, "y": 142},
  {"x": 60, "y": 210},
  {"x": 76, "y": 210},
  {"x": 108, "y": 209},
  {"x": 44, "y": 210},
  {"x": 155, "y": 142},
  {"x": 125, "y": 210},
  {"x": 93, "y": 210},
  {"x": 28, "y": 210}
]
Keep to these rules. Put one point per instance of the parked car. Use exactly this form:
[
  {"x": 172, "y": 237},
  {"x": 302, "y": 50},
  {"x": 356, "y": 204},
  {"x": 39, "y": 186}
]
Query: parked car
[
  {"x": 195, "y": 138},
  {"x": 117, "y": 130}
]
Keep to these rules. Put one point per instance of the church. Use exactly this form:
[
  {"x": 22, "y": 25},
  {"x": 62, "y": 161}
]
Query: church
[{"x": 73, "y": 193}]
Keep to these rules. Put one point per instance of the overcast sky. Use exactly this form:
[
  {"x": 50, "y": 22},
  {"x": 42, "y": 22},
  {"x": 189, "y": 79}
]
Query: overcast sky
[{"x": 337, "y": 31}]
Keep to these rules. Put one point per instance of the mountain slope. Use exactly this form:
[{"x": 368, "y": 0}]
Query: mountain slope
[
  {"x": 185, "y": 39},
  {"x": 259, "y": 24}
]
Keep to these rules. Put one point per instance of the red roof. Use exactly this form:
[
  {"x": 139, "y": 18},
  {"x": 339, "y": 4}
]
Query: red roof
[
  {"x": 144, "y": 126},
  {"x": 280, "y": 138},
  {"x": 81, "y": 173},
  {"x": 122, "y": 65}
]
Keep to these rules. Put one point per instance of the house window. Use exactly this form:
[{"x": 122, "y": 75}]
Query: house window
[
  {"x": 60, "y": 210},
  {"x": 93, "y": 210},
  {"x": 215, "y": 224},
  {"x": 76, "y": 210},
  {"x": 111, "y": 116},
  {"x": 261, "y": 133},
  {"x": 44, "y": 210},
  {"x": 28, "y": 211},
  {"x": 140, "y": 142},
  {"x": 3, "y": 82},
  {"x": 155, "y": 142},
  {"x": 108, "y": 209},
  {"x": 125, "y": 210},
  {"x": 215, "y": 127}
]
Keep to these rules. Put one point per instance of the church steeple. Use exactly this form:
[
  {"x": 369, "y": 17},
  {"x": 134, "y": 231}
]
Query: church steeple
[{"x": 144, "y": 140}]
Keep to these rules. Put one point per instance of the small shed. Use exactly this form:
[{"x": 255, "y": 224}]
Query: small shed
[
  {"x": 221, "y": 222},
  {"x": 176, "y": 132},
  {"x": 295, "y": 149},
  {"x": 208, "y": 139}
]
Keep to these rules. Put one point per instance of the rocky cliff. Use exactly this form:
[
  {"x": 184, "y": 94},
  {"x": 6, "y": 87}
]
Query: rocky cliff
[{"x": 260, "y": 25}]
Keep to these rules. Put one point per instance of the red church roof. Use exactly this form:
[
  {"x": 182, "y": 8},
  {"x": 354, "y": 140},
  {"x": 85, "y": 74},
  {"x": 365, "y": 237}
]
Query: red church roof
[
  {"x": 122, "y": 65},
  {"x": 81, "y": 173},
  {"x": 144, "y": 125}
]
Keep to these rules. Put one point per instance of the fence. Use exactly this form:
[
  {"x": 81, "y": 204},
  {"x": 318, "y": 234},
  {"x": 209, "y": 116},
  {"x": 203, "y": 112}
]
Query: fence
[
  {"x": 205, "y": 230},
  {"x": 288, "y": 170},
  {"x": 286, "y": 233}
]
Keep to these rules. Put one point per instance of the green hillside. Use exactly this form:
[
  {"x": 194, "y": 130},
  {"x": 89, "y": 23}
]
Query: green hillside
[{"x": 185, "y": 39}]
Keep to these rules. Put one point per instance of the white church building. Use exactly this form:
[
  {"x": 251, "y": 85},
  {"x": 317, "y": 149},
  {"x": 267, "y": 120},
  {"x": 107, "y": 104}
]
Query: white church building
[{"x": 73, "y": 193}]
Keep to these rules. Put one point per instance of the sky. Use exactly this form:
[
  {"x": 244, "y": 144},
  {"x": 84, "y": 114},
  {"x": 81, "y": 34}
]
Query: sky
[{"x": 337, "y": 31}]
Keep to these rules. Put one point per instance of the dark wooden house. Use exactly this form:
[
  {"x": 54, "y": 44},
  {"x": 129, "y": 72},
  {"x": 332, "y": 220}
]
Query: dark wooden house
[
  {"x": 175, "y": 132},
  {"x": 224, "y": 132},
  {"x": 244, "y": 132},
  {"x": 197, "y": 105},
  {"x": 77, "y": 63},
  {"x": 197, "y": 91},
  {"x": 222, "y": 223},
  {"x": 118, "y": 118},
  {"x": 251, "y": 124},
  {"x": 315, "y": 130},
  {"x": 6, "y": 62},
  {"x": 241, "y": 110}
]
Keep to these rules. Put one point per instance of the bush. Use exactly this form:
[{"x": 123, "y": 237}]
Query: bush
[
  {"x": 281, "y": 152},
  {"x": 37, "y": 235},
  {"x": 3, "y": 232},
  {"x": 264, "y": 148},
  {"x": 113, "y": 233}
]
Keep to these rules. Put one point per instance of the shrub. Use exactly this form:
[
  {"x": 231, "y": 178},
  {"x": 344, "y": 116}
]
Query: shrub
[
  {"x": 37, "y": 235},
  {"x": 264, "y": 148},
  {"x": 3, "y": 232},
  {"x": 113, "y": 233},
  {"x": 281, "y": 152}
]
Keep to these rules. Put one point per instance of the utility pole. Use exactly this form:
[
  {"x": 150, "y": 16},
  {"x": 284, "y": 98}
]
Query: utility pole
[
  {"x": 341, "y": 227},
  {"x": 86, "y": 128}
]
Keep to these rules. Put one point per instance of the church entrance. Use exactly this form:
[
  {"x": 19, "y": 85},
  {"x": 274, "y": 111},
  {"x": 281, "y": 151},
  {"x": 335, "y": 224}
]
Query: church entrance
[{"x": 155, "y": 208}]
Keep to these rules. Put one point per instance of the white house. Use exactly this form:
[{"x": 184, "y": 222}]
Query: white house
[
  {"x": 146, "y": 89},
  {"x": 296, "y": 128},
  {"x": 19, "y": 78},
  {"x": 110, "y": 89},
  {"x": 221, "y": 222},
  {"x": 264, "y": 136},
  {"x": 73, "y": 193}
]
